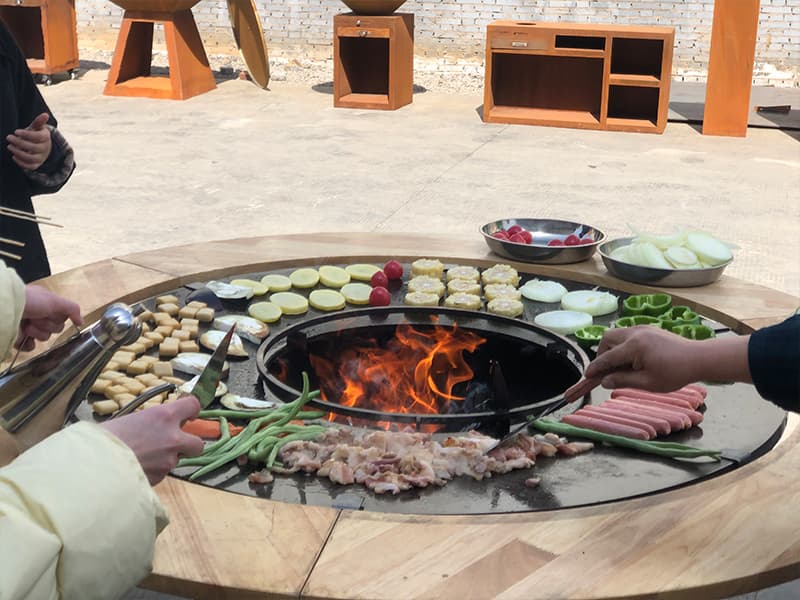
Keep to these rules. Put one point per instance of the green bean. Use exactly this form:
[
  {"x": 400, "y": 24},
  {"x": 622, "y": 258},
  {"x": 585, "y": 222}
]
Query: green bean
[
  {"x": 668, "y": 449},
  {"x": 261, "y": 451}
]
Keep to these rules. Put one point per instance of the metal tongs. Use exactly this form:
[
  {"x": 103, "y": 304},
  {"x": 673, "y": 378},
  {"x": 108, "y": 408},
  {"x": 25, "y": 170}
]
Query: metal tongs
[{"x": 580, "y": 389}]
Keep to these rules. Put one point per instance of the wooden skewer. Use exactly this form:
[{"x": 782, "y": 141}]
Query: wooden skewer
[
  {"x": 11, "y": 242},
  {"x": 10, "y": 255},
  {"x": 25, "y": 213},
  {"x": 26, "y": 218}
]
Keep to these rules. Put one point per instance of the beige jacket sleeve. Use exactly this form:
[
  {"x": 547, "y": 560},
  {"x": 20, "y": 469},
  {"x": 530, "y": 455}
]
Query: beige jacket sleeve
[
  {"x": 78, "y": 519},
  {"x": 12, "y": 302}
]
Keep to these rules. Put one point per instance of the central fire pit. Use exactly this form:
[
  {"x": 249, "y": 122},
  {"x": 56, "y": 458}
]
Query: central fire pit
[{"x": 434, "y": 368}]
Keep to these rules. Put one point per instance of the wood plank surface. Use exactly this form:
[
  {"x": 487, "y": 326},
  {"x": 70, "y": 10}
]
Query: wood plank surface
[{"x": 731, "y": 534}]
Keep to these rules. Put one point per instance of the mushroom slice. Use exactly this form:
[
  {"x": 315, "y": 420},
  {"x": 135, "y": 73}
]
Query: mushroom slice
[
  {"x": 236, "y": 402},
  {"x": 249, "y": 328},
  {"x": 228, "y": 291},
  {"x": 194, "y": 363},
  {"x": 188, "y": 386},
  {"x": 212, "y": 338}
]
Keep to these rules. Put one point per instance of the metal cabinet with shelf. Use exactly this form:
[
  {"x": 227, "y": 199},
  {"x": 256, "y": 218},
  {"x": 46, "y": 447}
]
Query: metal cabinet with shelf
[
  {"x": 373, "y": 59},
  {"x": 46, "y": 31},
  {"x": 575, "y": 75}
]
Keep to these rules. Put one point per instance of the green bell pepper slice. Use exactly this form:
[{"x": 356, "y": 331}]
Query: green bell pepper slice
[
  {"x": 646, "y": 304},
  {"x": 591, "y": 335},
  {"x": 637, "y": 320},
  {"x": 679, "y": 315},
  {"x": 694, "y": 332}
]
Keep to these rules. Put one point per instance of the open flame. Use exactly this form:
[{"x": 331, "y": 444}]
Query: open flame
[{"x": 416, "y": 372}]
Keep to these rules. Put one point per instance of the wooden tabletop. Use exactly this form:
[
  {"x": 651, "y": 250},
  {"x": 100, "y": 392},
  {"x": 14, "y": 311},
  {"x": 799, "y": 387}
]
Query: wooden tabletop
[{"x": 732, "y": 534}]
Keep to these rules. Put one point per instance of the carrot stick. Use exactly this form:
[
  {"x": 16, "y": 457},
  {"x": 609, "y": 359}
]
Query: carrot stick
[{"x": 207, "y": 428}]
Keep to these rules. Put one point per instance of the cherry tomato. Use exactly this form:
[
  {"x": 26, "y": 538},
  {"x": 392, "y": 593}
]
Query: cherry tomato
[
  {"x": 527, "y": 235},
  {"x": 517, "y": 238},
  {"x": 500, "y": 235},
  {"x": 379, "y": 279},
  {"x": 586, "y": 240},
  {"x": 393, "y": 270},
  {"x": 513, "y": 229},
  {"x": 555, "y": 243},
  {"x": 380, "y": 296},
  {"x": 572, "y": 240}
]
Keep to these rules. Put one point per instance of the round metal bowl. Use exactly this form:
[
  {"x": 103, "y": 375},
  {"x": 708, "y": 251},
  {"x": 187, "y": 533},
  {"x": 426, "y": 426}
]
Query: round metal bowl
[
  {"x": 543, "y": 230},
  {"x": 660, "y": 277},
  {"x": 373, "y": 7}
]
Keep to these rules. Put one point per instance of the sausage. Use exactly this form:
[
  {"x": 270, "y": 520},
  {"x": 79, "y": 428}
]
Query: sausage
[
  {"x": 605, "y": 426},
  {"x": 616, "y": 418},
  {"x": 693, "y": 415},
  {"x": 696, "y": 387},
  {"x": 693, "y": 399},
  {"x": 663, "y": 398},
  {"x": 661, "y": 426},
  {"x": 676, "y": 420}
]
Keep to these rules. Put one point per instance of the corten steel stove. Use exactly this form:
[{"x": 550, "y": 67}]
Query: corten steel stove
[
  {"x": 502, "y": 369},
  {"x": 534, "y": 367}
]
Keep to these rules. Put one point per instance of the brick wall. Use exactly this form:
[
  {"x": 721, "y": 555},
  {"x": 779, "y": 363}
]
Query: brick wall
[{"x": 455, "y": 29}]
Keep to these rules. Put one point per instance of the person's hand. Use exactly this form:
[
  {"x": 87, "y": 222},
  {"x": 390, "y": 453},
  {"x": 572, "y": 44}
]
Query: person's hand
[
  {"x": 44, "y": 314},
  {"x": 156, "y": 438},
  {"x": 644, "y": 357},
  {"x": 30, "y": 147}
]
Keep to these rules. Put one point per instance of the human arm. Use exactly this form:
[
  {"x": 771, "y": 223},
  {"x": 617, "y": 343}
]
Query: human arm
[
  {"x": 78, "y": 518},
  {"x": 651, "y": 358},
  {"x": 44, "y": 314}
]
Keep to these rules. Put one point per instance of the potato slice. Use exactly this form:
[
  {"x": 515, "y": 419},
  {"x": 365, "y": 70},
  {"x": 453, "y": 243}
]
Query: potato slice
[
  {"x": 304, "y": 278},
  {"x": 356, "y": 293},
  {"x": 290, "y": 303},
  {"x": 362, "y": 271},
  {"x": 334, "y": 277},
  {"x": 327, "y": 300},
  {"x": 259, "y": 289},
  {"x": 277, "y": 283},
  {"x": 266, "y": 312}
]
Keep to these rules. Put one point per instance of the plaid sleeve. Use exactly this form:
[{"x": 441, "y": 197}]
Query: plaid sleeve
[{"x": 58, "y": 167}]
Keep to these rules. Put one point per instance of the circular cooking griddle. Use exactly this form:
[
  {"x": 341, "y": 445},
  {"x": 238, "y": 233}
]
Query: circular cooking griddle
[{"x": 737, "y": 421}]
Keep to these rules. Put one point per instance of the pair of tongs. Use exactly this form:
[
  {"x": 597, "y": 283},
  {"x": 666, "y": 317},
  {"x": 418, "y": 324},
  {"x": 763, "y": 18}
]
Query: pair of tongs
[{"x": 580, "y": 389}]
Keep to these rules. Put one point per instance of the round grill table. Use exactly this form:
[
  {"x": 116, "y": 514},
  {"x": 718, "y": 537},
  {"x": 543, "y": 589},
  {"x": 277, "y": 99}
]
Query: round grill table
[{"x": 732, "y": 534}]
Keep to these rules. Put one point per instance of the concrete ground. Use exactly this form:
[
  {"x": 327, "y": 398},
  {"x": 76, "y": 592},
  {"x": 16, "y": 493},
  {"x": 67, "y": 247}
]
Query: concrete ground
[{"x": 241, "y": 161}]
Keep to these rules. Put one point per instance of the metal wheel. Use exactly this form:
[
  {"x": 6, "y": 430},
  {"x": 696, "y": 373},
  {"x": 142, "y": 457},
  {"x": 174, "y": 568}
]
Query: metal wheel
[{"x": 73, "y": 73}]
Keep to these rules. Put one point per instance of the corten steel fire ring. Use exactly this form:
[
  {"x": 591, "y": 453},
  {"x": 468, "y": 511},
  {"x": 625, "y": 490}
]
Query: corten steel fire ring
[
  {"x": 552, "y": 347},
  {"x": 732, "y": 534}
]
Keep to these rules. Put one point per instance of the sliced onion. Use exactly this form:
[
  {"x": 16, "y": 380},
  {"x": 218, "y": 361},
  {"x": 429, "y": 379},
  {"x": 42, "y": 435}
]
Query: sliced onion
[
  {"x": 563, "y": 321},
  {"x": 590, "y": 302},
  {"x": 543, "y": 290},
  {"x": 708, "y": 249},
  {"x": 681, "y": 258}
]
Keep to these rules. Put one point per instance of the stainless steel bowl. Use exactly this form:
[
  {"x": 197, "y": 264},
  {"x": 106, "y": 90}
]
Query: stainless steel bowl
[
  {"x": 659, "y": 277},
  {"x": 543, "y": 230}
]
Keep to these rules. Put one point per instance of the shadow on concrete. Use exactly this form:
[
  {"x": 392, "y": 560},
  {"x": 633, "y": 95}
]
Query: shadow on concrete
[
  {"x": 327, "y": 88},
  {"x": 479, "y": 110}
]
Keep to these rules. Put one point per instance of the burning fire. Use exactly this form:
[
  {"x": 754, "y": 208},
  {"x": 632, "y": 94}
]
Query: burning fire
[{"x": 415, "y": 373}]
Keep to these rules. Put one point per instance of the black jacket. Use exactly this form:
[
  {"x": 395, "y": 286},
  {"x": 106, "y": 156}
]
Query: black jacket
[
  {"x": 774, "y": 358},
  {"x": 20, "y": 103}
]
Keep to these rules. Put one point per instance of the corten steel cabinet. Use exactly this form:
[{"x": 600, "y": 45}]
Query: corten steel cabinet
[
  {"x": 373, "y": 61},
  {"x": 578, "y": 75},
  {"x": 46, "y": 31},
  {"x": 130, "y": 73}
]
